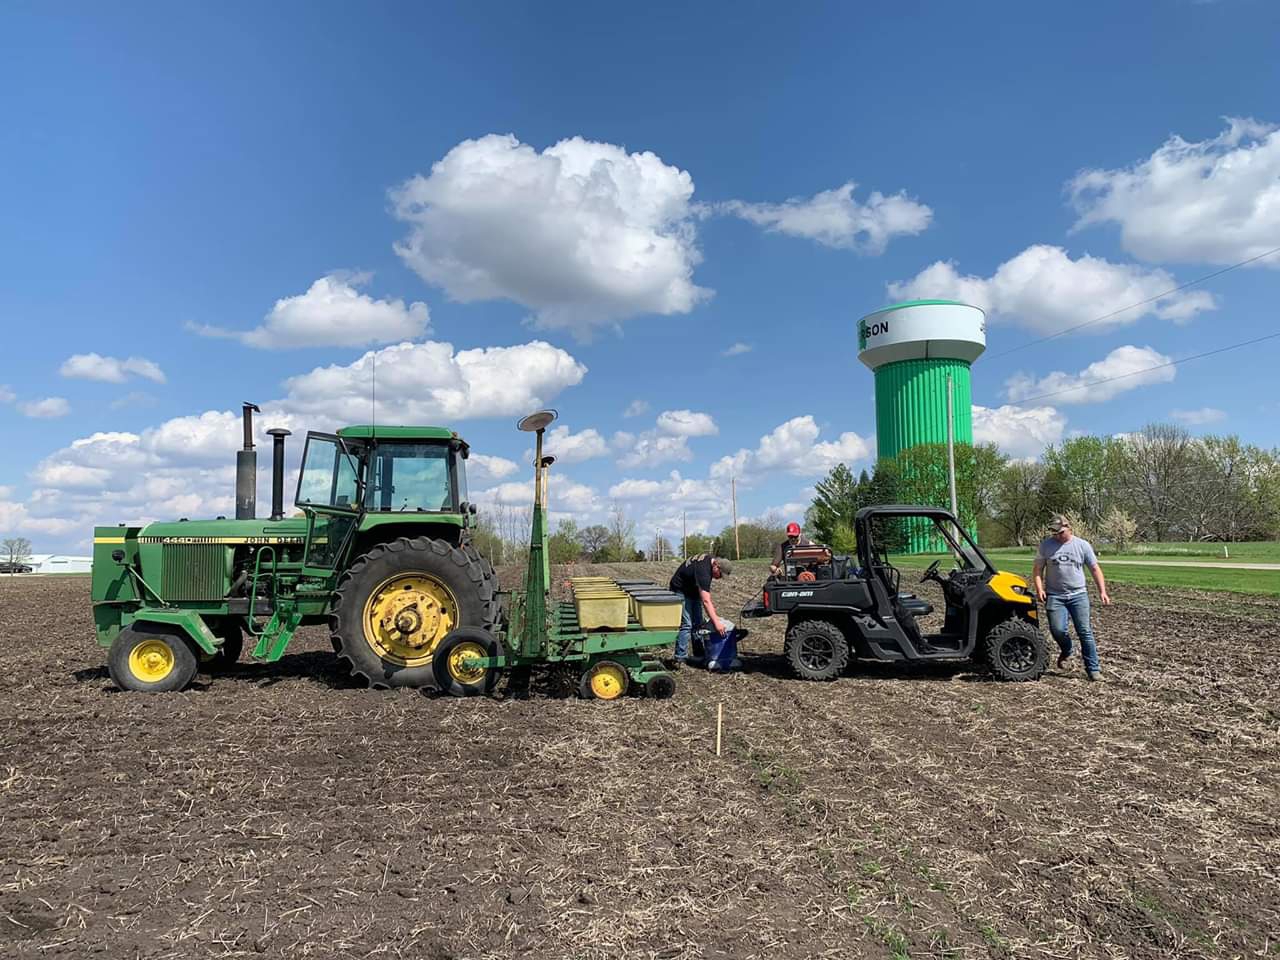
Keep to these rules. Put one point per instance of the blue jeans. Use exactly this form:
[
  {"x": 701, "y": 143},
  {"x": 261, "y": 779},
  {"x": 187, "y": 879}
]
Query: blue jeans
[
  {"x": 1057, "y": 609},
  {"x": 690, "y": 620}
]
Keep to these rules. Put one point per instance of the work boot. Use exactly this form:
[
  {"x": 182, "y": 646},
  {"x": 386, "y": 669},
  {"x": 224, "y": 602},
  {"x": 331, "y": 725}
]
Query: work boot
[
  {"x": 1063, "y": 660},
  {"x": 1095, "y": 676}
]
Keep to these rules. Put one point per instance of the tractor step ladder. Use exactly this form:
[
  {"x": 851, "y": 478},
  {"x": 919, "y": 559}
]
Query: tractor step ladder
[{"x": 276, "y": 635}]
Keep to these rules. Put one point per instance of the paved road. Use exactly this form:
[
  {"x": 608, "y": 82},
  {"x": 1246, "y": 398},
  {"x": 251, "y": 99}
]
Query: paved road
[{"x": 1217, "y": 564}]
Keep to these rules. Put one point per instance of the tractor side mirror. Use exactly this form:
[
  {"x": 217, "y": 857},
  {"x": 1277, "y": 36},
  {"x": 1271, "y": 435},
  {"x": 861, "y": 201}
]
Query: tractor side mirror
[
  {"x": 117, "y": 556},
  {"x": 471, "y": 509}
]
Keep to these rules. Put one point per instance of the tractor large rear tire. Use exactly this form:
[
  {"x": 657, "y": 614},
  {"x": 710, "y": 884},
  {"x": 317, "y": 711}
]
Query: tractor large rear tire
[
  {"x": 486, "y": 569},
  {"x": 816, "y": 650},
  {"x": 1016, "y": 651},
  {"x": 396, "y": 603}
]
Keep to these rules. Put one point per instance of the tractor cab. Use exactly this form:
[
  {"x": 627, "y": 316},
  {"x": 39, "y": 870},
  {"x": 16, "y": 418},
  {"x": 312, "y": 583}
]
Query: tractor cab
[{"x": 366, "y": 483}]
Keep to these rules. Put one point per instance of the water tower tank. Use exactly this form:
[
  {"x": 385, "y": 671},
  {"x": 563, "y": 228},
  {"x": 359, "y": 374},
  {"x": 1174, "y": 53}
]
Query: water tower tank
[{"x": 912, "y": 348}]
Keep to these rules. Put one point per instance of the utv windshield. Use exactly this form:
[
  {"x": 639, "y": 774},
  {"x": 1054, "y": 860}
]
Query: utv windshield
[{"x": 411, "y": 477}]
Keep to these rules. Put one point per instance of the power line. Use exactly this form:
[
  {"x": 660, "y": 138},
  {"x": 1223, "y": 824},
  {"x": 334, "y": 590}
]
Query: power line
[
  {"x": 1140, "y": 303},
  {"x": 1135, "y": 373}
]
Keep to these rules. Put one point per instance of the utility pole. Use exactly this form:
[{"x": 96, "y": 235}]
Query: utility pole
[
  {"x": 951, "y": 451},
  {"x": 733, "y": 495},
  {"x": 684, "y": 535}
]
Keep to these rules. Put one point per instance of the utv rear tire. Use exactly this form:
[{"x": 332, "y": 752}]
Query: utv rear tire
[
  {"x": 451, "y": 587},
  {"x": 151, "y": 659},
  {"x": 1016, "y": 651},
  {"x": 816, "y": 650}
]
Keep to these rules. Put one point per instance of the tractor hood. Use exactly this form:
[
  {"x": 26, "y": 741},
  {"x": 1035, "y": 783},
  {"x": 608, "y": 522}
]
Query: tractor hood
[{"x": 293, "y": 530}]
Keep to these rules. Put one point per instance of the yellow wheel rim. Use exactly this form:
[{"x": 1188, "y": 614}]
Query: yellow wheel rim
[
  {"x": 152, "y": 660},
  {"x": 608, "y": 681},
  {"x": 406, "y": 617},
  {"x": 459, "y": 667}
]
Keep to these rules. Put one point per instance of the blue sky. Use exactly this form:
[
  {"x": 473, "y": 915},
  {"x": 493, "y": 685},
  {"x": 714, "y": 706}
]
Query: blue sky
[{"x": 178, "y": 177}]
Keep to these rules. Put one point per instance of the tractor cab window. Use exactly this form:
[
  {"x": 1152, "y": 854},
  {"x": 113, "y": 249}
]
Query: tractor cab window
[
  {"x": 330, "y": 475},
  {"x": 410, "y": 477}
]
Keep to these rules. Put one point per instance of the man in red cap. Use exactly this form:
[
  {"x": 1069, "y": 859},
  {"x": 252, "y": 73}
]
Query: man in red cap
[{"x": 794, "y": 539}]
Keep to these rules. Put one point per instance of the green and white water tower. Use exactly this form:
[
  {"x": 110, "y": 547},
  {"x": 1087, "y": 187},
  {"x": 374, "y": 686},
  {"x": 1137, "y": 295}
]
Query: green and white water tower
[{"x": 912, "y": 348}]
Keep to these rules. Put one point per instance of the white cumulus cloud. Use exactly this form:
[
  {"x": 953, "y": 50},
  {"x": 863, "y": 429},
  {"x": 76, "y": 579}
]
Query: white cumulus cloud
[
  {"x": 1209, "y": 201},
  {"x": 687, "y": 423},
  {"x": 1045, "y": 290},
  {"x": 1123, "y": 369},
  {"x": 1019, "y": 432},
  {"x": 484, "y": 466},
  {"x": 568, "y": 447},
  {"x": 793, "y": 447},
  {"x": 834, "y": 218},
  {"x": 636, "y": 408},
  {"x": 431, "y": 382},
  {"x": 736, "y": 349},
  {"x": 332, "y": 313},
  {"x": 47, "y": 409},
  {"x": 93, "y": 366},
  {"x": 668, "y": 441},
  {"x": 584, "y": 234},
  {"x": 1200, "y": 417}
]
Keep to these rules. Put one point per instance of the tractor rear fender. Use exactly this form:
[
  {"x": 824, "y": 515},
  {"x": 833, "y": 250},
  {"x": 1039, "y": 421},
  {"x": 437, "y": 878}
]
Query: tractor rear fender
[{"x": 188, "y": 621}]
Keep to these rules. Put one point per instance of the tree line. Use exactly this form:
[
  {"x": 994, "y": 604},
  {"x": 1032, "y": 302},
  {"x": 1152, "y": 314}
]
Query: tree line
[{"x": 1159, "y": 484}]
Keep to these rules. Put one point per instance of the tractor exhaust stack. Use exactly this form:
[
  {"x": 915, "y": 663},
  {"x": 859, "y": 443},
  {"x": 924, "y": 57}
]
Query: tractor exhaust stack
[
  {"x": 247, "y": 469},
  {"x": 277, "y": 471}
]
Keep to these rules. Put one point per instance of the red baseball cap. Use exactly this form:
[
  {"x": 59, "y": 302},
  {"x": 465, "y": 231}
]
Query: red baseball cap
[{"x": 793, "y": 529}]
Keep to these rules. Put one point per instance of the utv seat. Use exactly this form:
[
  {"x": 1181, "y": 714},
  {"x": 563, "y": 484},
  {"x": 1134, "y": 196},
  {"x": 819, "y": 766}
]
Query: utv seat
[{"x": 914, "y": 606}]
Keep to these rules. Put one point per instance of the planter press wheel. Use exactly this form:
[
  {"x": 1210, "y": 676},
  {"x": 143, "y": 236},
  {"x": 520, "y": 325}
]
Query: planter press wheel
[
  {"x": 662, "y": 686},
  {"x": 604, "y": 680},
  {"x": 453, "y": 663}
]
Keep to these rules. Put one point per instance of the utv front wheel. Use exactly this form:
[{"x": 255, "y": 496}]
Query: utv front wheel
[
  {"x": 1016, "y": 651},
  {"x": 816, "y": 650},
  {"x": 149, "y": 660}
]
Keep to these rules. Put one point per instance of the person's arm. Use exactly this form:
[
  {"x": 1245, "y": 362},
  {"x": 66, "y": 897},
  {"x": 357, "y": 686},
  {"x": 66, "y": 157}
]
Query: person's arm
[
  {"x": 776, "y": 567},
  {"x": 1100, "y": 580},
  {"x": 709, "y": 605},
  {"x": 1037, "y": 574}
]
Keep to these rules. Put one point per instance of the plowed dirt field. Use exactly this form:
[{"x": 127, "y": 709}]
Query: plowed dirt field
[{"x": 278, "y": 811}]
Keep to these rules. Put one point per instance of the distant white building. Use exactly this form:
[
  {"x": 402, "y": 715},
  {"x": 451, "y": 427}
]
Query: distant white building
[{"x": 59, "y": 563}]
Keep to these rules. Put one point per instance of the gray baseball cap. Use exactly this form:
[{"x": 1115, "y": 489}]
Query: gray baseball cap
[
  {"x": 726, "y": 568},
  {"x": 1058, "y": 522}
]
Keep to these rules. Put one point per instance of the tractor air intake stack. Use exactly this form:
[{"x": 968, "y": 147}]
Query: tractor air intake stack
[
  {"x": 247, "y": 470},
  {"x": 914, "y": 348},
  {"x": 277, "y": 471}
]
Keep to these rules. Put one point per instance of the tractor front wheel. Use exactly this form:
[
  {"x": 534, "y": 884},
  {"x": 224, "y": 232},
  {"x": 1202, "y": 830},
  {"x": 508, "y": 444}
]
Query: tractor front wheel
[
  {"x": 816, "y": 650},
  {"x": 1016, "y": 651},
  {"x": 151, "y": 660},
  {"x": 396, "y": 603}
]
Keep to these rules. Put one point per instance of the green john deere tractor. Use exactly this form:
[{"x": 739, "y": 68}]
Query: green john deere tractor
[{"x": 381, "y": 551}]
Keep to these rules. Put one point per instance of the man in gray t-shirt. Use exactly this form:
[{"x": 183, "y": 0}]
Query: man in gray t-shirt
[{"x": 1059, "y": 575}]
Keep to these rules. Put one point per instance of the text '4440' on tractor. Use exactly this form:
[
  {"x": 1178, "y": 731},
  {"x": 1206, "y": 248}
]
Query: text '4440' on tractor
[{"x": 381, "y": 552}]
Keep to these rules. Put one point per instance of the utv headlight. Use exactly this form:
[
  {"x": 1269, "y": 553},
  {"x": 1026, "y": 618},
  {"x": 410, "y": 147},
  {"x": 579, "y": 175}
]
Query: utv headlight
[{"x": 1021, "y": 590}]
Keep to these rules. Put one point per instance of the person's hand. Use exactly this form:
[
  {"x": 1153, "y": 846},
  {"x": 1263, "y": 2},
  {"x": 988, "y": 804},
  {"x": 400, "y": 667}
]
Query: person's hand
[
  {"x": 1040, "y": 593},
  {"x": 719, "y": 625},
  {"x": 1106, "y": 597}
]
